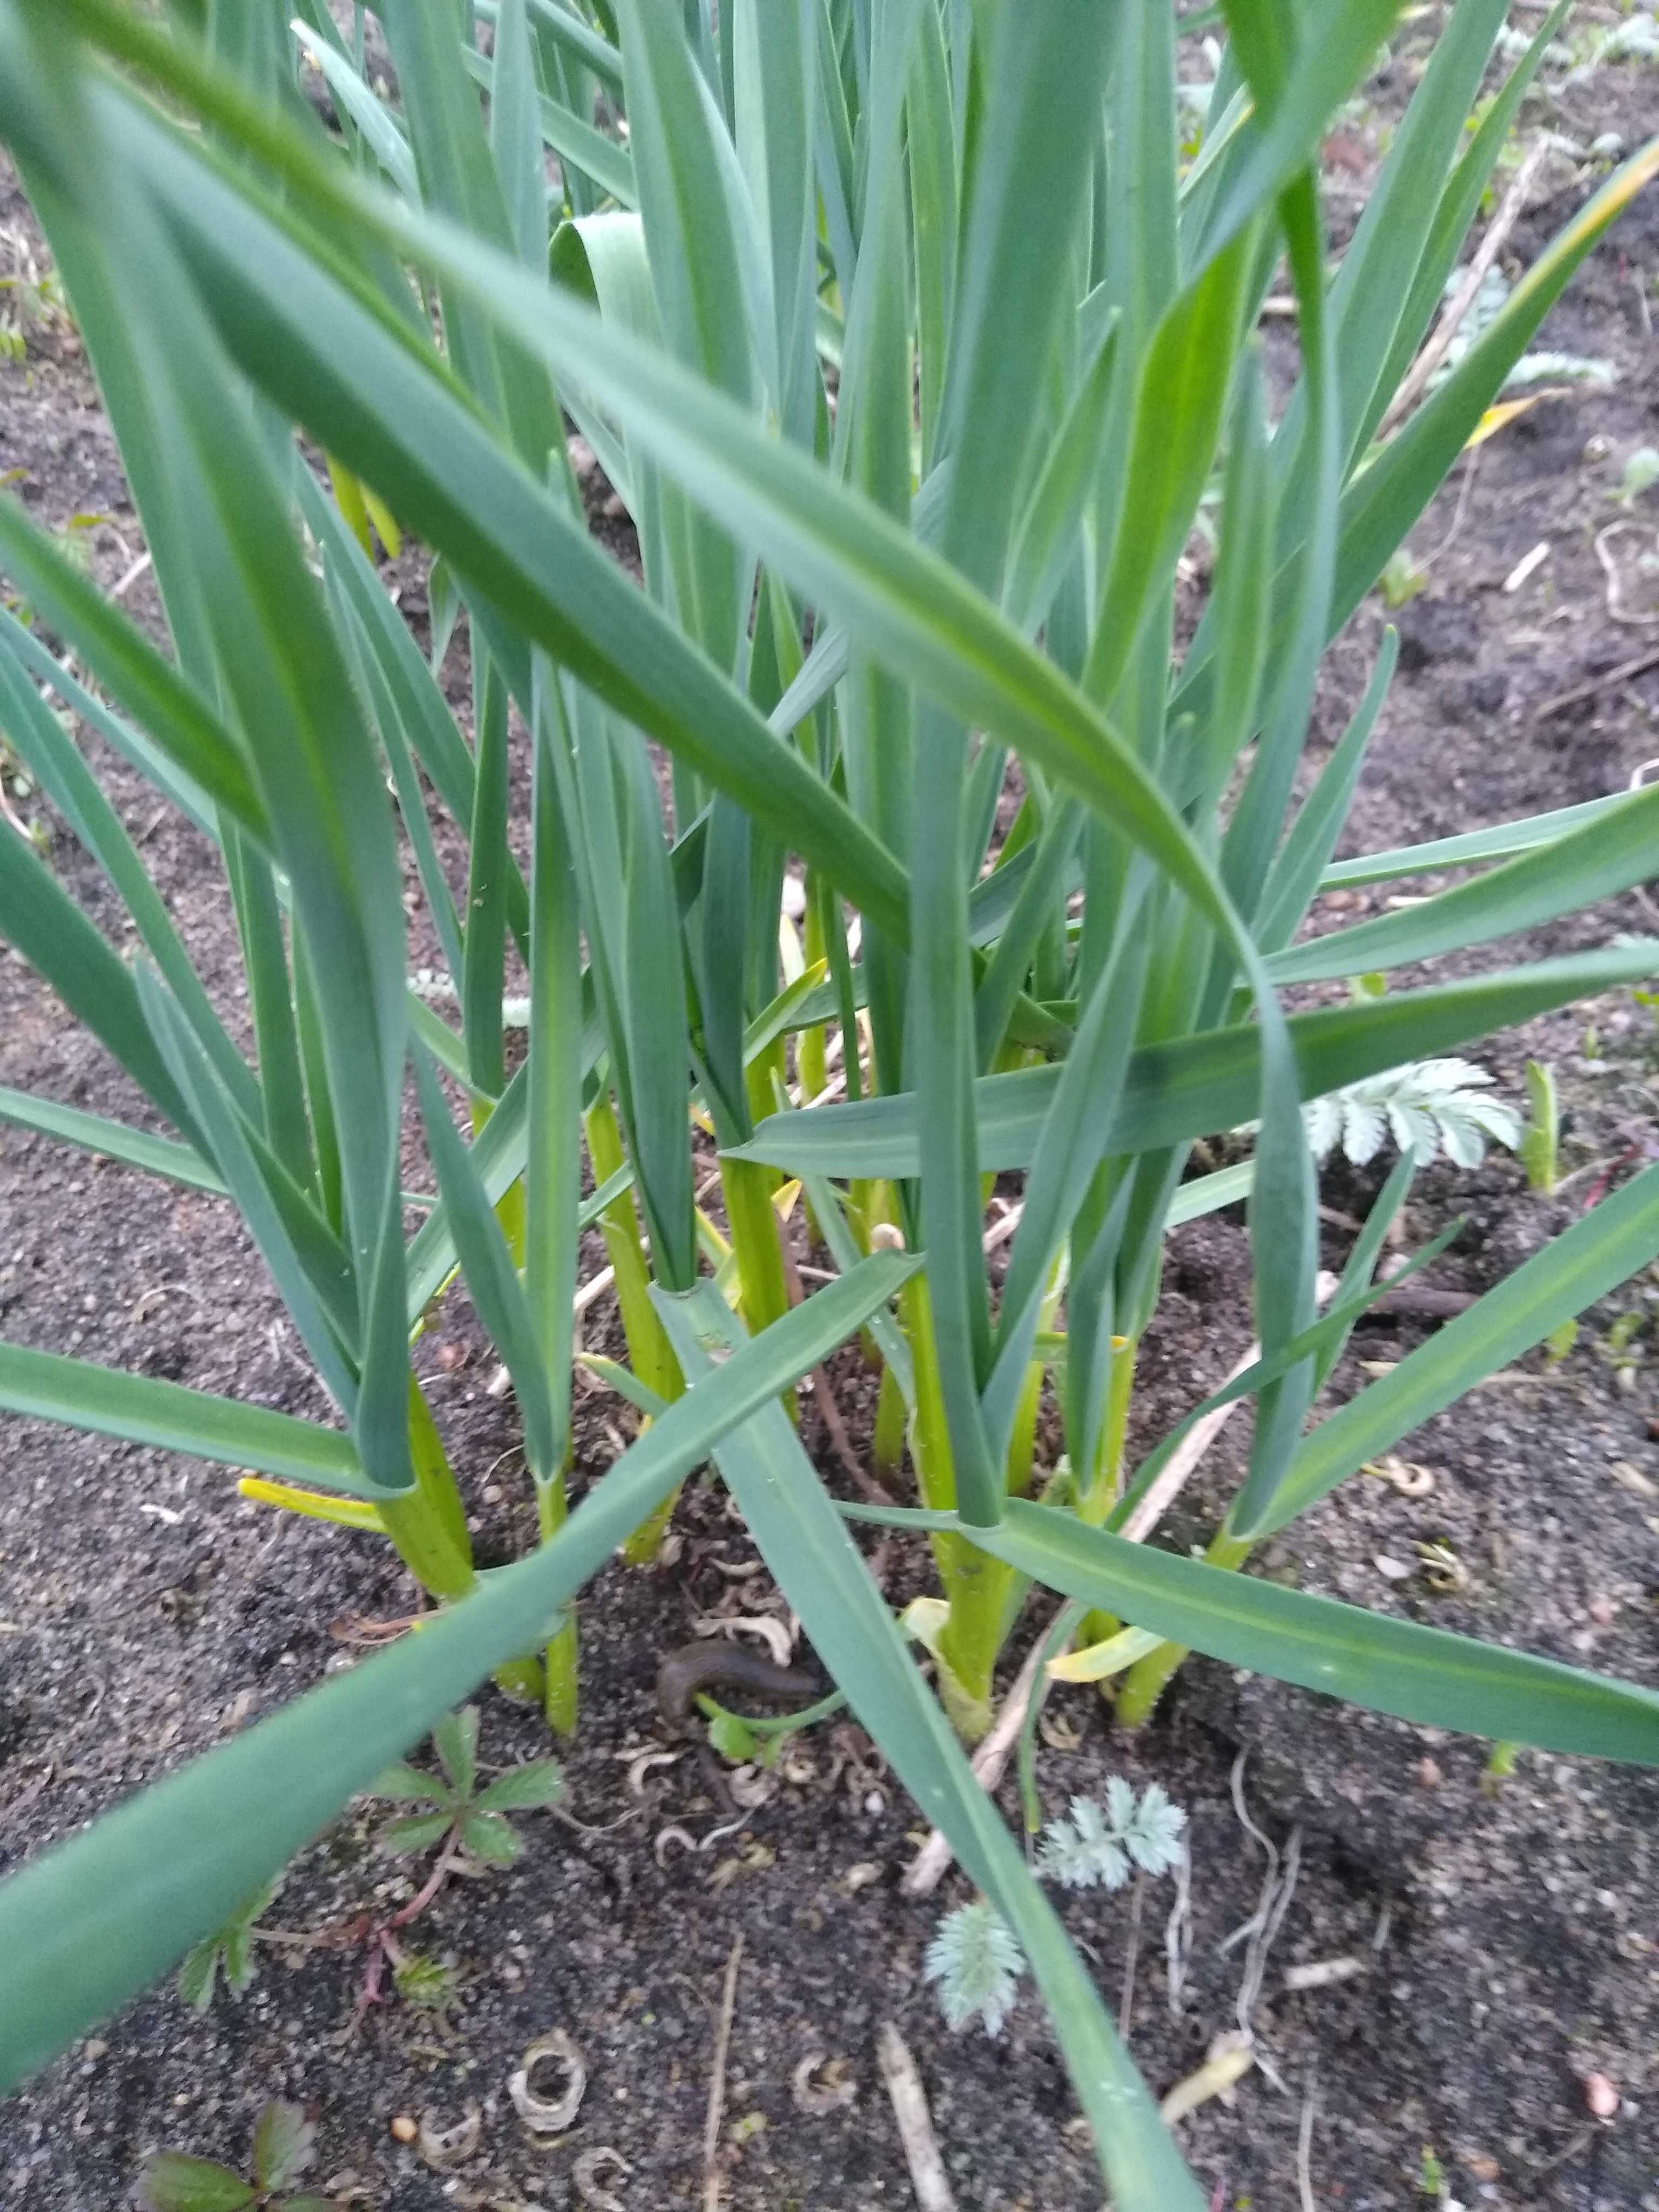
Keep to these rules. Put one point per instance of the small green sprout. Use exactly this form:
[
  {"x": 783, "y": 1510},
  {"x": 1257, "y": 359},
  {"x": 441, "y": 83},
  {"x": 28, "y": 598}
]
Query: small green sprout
[
  {"x": 425, "y": 1982},
  {"x": 1539, "y": 1148},
  {"x": 1403, "y": 578},
  {"x": 284, "y": 2145},
  {"x": 1499, "y": 1768},
  {"x": 1621, "y": 1335},
  {"x": 464, "y": 1817},
  {"x": 231, "y": 1948},
  {"x": 1559, "y": 1342},
  {"x": 1641, "y": 472}
]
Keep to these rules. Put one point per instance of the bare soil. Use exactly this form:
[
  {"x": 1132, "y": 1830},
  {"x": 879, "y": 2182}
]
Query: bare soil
[{"x": 1507, "y": 1934}]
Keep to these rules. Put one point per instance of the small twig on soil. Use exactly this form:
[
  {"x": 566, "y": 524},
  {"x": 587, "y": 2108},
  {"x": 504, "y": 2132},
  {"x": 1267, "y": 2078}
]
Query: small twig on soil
[
  {"x": 1126, "y": 2010},
  {"x": 1175, "y": 1476},
  {"x": 1304, "y": 2153},
  {"x": 1581, "y": 692},
  {"x": 927, "y": 1869},
  {"x": 711, "y": 2134},
  {"x": 1259, "y": 1932},
  {"x": 1497, "y": 230},
  {"x": 824, "y": 1398},
  {"x": 1471, "y": 466},
  {"x": 130, "y": 578},
  {"x": 1422, "y": 1303},
  {"x": 1178, "y": 1931},
  {"x": 915, "y": 2125}
]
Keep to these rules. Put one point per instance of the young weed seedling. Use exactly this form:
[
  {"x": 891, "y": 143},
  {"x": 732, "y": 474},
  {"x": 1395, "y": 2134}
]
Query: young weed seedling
[
  {"x": 974, "y": 1956},
  {"x": 284, "y": 2145},
  {"x": 470, "y": 1824},
  {"x": 466, "y": 1818},
  {"x": 231, "y": 1948}
]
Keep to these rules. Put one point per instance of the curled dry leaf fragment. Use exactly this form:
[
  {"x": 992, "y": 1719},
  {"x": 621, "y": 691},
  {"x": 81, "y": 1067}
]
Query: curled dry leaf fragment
[
  {"x": 549, "y": 2115},
  {"x": 751, "y": 1786},
  {"x": 585, "y": 2176},
  {"x": 1408, "y": 1476},
  {"x": 641, "y": 1765},
  {"x": 1323, "y": 1973},
  {"x": 772, "y": 1631},
  {"x": 837, "y": 2087},
  {"x": 445, "y": 2147},
  {"x": 1230, "y": 2060}
]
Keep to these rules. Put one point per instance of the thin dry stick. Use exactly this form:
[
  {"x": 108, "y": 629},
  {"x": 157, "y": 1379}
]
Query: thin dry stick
[
  {"x": 1178, "y": 1931},
  {"x": 927, "y": 1869},
  {"x": 825, "y": 1398},
  {"x": 915, "y": 2124},
  {"x": 1126, "y": 2010},
  {"x": 1304, "y": 2153},
  {"x": 1174, "y": 1478},
  {"x": 1497, "y": 231},
  {"x": 711, "y": 2134},
  {"x": 1598, "y": 684}
]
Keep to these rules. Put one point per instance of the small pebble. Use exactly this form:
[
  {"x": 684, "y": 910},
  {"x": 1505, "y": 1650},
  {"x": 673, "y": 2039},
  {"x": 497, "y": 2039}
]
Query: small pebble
[
  {"x": 1429, "y": 1776},
  {"x": 405, "y": 2129},
  {"x": 1600, "y": 2096},
  {"x": 1601, "y": 1611}
]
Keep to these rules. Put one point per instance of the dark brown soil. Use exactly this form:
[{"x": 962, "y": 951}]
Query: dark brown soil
[{"x": 1509, "y": 1938}]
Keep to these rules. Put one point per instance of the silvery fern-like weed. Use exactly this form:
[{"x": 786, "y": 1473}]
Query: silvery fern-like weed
[
  {"x": 974, "y": 1956},
  {"x": 1427, "y": 1107},
  {"x": 978, "y": 1963},
  {"x": 1097, "y": 1849}
]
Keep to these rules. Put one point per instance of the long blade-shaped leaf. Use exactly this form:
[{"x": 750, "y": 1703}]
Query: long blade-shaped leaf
[
  {"x": 804, "y": 1541},
  {"x": 1604, "y": 857},
  {"x": 1198, "y": 1084},
  {"x": 1612, "y": 1243},
  {"x": 143, "y": 1409},
  {"x": 1392, "y": 1666}
]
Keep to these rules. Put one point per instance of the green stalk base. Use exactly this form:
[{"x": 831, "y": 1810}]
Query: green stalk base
[
  {"x": 1147, "y": 1680},
  {"x": 887, "y": 1446}
]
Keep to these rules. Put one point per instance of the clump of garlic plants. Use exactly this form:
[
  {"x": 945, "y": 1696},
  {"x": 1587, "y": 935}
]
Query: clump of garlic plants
[{"x": 913, "y": 336}]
